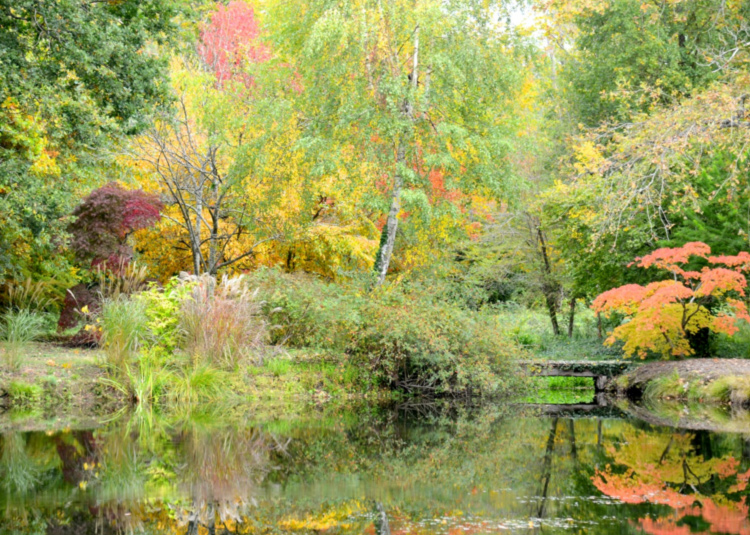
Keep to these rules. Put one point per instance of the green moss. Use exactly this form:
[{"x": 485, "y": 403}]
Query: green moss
[{"x": 665, "y": 387}]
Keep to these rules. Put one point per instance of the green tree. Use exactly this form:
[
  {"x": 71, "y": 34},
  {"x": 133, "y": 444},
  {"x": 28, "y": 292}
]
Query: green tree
[{"x": 73, "y": 74}]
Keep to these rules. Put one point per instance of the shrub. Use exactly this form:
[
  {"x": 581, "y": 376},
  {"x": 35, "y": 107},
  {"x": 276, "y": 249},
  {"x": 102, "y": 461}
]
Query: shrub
[
  {"x": 412, "y": 344},
  {"x": 669, "y": 316},
  {"x": 403, "y": 339},
  {"x": 163, "y": 314},
  {"x": 18, "y": 328},
  {"x": 304, "y": 311},
  {"x": 105, "y": 219}
]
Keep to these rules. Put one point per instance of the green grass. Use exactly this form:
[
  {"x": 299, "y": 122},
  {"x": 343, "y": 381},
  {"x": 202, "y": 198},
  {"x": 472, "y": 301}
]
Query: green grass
[
  {"x": 124, "y": 326},
  {"x": 734, "y": 389},
  {"x": 17, "y": 329},
  {"x": 560, "y": 390},
  {"x": 22, "y": 393}
]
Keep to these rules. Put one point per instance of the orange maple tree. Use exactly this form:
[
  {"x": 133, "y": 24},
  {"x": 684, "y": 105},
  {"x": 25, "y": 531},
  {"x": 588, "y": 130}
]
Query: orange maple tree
[{"x": 661, "y": 316}]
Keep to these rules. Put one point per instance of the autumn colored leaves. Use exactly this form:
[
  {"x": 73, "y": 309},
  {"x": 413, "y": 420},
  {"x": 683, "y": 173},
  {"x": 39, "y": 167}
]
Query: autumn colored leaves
[{"x": 663, "y": 316}]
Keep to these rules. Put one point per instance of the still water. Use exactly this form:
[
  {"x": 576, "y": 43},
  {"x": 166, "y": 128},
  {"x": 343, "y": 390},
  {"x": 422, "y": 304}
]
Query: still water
[{"x": 416, "y": 469}]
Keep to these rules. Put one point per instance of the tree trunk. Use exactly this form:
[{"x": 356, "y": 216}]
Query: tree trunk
[
  {"x": 391, "y": 225},
  {"x": 197, "y": 260},
  {"x": 547, "y": 469},
  {"x": 552, "y": 309},
  {"x": 386, "y": 245},
  {"x": 599, "y": 330},
  {"x": 571, "y": 317},
  {"x": 549, "y": 287}
]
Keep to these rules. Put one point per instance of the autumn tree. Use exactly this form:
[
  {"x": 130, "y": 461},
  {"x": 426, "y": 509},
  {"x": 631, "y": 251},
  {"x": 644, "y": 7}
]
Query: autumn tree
[
  {"x": 73, "y": 76},
  {"x": 393, "y": 91},
  {"x": 106, "y": 218},
  {"x": 208, "y": 155},
  {"x": 663, "y": 316},
  {"x": 230, "y": 41}
]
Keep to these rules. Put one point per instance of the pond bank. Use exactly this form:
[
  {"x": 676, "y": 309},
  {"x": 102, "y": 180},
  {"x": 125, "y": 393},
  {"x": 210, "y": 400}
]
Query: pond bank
[
  {"x": 56, "y": 382},
  {"x": 711, "y": 381}
]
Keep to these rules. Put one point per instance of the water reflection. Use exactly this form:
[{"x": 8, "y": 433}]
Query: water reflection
[{"x": 408, "y": 470}]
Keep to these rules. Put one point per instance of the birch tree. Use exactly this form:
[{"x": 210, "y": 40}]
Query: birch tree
[{"x": 392, "y": 91}]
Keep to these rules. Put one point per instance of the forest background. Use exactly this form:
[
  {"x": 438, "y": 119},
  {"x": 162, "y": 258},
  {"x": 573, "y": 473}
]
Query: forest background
[{"x": 429, "y": 188}]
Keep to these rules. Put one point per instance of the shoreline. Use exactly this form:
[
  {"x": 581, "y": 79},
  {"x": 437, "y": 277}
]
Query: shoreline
[{"x": 706, "y": 381}]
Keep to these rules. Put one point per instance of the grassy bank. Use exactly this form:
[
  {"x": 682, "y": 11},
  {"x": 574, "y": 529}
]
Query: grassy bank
[
  {"x": 704, "y": 381},
  {"x": 56, "y": 382}
]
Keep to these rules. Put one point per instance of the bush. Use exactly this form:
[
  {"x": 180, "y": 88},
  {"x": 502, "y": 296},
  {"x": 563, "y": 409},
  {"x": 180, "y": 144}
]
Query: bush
[
  {"x": 405, "y": 339},
  {"x": 412, "y": 344},
  {"x": 305, "y": 311}
]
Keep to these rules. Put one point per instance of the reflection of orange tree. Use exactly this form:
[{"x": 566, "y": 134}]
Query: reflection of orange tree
[{"x": 664, "y": 469}]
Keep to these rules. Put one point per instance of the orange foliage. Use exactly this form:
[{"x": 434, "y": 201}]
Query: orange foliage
[
  {"x": 729, "y": 518},
  {"x": 662, "y": 315},
  {"x": 629, "y": 489}
]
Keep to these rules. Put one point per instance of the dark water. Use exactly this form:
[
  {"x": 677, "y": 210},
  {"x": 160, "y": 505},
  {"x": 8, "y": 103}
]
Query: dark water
[{"x": 420, "y": 469}]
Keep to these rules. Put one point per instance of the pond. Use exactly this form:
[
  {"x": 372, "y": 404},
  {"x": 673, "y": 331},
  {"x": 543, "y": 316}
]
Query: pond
[{"x": 417, "y": 469}]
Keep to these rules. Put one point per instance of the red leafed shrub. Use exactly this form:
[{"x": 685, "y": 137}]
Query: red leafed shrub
[
  {"x": 230, "y": 42},
  {"x": 105, "y": 219},
  {"x": 664, "y": 316}
]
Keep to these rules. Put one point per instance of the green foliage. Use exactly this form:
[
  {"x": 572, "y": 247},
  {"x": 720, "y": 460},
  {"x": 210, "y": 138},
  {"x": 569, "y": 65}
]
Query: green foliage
[
  {"x": 405, "y": 339},
  {"x": 18, "y": 327},
  {"x": 23, "y": 393},
  {"x": 162, "y": 311},
  {"x": 635, "y": 56},
  {"x": 124, "y": 330},
  {"x": 73, "y": 77}
]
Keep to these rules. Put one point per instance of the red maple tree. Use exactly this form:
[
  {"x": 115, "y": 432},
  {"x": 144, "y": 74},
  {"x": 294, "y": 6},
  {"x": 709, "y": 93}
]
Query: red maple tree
[
  {"x": 662, "y": 316},
  {"x": 231, "y": 41}
]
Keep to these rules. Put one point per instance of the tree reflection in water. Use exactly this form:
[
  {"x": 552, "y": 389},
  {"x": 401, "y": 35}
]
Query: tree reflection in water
[{"x": 377, "y": 471}]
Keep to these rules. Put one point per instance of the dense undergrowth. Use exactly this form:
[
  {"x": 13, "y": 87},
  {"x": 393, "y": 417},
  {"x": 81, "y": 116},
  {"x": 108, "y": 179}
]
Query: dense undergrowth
[{"x": 197, "y": 340}]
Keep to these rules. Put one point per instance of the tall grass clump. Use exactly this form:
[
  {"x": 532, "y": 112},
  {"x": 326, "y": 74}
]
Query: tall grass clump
[
  {"x": 19, "y": 327},
  {"x": 176, "y": 343},
  {"x": 222, "y": 324},
  {"x": 123, "y": 325}
]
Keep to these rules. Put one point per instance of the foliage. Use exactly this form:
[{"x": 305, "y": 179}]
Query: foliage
[
  {"x": 404, "y": 338},
  {"x": 163, "y": 314},
  {"x": 231, "y": 41},
  {"x": 18, "y": 327},
  {"x": 105, "y": 219},
  {"x": 384, "y": 102},
  {"x": 631, "y": 57},
  {"x": 175, "y": 344},
  {"x": 73, "y": 76},
  {"x": 663, "y": 316}
]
